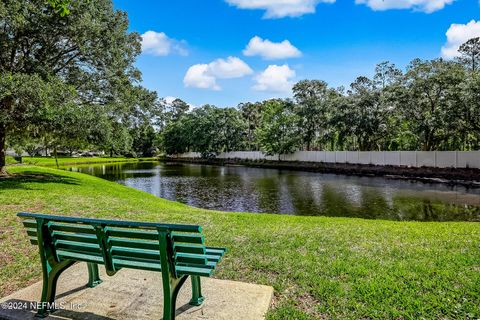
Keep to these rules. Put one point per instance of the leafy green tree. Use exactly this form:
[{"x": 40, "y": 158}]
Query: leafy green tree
[
  {"x": 216, "y": 130},
  {"x": 389, "y": 82},
  {"x": 339, "y": 122},
  {"x": 143, "y": 111},
  {"x": 365, "y": 118},
  {"x": 208, "y": 130},
  {"x": 233, "y": 127},
  {"x": 470, "y": 53},
  {"x": 386, "y": 75},
  {"x": 431, "y": 95},
  {"x": 114, "y": 137},
  {"x": 251, "y": 113},
  {"x": 177, "y": 136},
  {"x": 62, "y": 119},
  {"x": 278, "y": 132},
  {"x": 90, "y": 50},
  {"x": 312, "y": 108},
  {"x": 177, "y": 109},
  {"x": 467, "y": 122},
  {"x": 144, "y": 140}
]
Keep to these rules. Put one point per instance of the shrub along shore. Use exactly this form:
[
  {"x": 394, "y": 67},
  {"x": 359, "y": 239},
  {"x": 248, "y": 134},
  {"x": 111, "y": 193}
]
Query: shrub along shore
[{"x": 320, "y": 267}]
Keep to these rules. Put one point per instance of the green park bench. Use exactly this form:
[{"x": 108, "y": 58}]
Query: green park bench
[{"x": 177, "y": 251}]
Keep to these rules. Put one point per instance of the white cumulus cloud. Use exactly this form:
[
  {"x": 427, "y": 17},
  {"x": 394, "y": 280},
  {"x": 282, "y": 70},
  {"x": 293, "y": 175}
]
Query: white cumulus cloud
[
  {"x": 279, "y": 8},
  {"x": 199, "y": 76},
  {"x": 159, "y": 44},
  {"x": 204, "y": 76},
  {"x": 275, "y": 79},
  {"x": 427, "y": 6},
  {"x": 458, "y": 34},
  {"x": 233, "y": 67},
  {"x": 271, "y": 50}
]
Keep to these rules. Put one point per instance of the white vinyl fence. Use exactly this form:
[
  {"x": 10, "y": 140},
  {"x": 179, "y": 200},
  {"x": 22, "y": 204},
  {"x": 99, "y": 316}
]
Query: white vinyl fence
[{"x": 437, "y": 159}]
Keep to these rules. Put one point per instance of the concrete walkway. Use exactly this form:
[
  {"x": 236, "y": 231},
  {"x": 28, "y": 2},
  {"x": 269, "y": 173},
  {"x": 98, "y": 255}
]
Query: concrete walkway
[{"x": 134, "y": 294}]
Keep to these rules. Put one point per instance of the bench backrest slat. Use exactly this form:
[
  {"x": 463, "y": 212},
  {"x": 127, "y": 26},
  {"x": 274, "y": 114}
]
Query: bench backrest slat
[
  {"x": 132, "y": 234},
  {"x": 81, "y": 238},
  {"x": 120, "y": 252},
  {"x": 188, "y": 238},
  {"x": 114, "y": 223},
  {"x": 74, "y": 228},
  {"x": 133, "y": 243}
]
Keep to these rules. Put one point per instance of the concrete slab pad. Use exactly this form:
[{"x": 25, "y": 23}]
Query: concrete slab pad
[{"x": 135, "y": 294}]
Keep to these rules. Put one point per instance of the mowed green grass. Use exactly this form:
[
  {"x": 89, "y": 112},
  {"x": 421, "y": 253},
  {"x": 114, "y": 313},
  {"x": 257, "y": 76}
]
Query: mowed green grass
[
  {"x": 327, "y": 268},
  {"x": 63, "y": 161}
]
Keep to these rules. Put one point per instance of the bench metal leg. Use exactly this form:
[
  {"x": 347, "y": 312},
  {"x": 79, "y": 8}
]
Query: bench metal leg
[
  {"x": 50, "y": 278},
  {"x": 197, "y": 298},
  {"x": 170, "y": 296},
  {"x": 93, "y": 275}
]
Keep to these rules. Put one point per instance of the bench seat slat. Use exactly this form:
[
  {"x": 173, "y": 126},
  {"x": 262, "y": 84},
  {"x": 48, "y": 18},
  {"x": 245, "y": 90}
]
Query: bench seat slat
[
  {"x": 190, "y": 258},
  {"x": 183, "y": 256},
  {"x": 215, "y": 251},
  {"x": 142, "y": 265},
  {"x": 137, "y": 263},
  {"x": 155, "y": 255},
  {"x": 133, "y": 259},
  {"x": 194, "y": 271},
  {"x": 209, "y": 265}
]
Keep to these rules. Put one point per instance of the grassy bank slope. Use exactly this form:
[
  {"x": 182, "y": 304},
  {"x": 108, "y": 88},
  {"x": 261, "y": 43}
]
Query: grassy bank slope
[{"x": 320, "y": 267}]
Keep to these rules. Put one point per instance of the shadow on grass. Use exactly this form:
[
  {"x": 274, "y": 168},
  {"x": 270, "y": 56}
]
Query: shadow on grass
[{"x": 23, "y": 180}]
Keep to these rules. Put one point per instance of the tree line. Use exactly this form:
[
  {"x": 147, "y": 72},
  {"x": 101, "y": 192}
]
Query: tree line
[
  {"x": 432, "y": 105},
  {"x": 68, "y": 82}
]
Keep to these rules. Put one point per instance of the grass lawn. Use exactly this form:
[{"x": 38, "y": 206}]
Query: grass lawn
[
  {"x": 63, "y": 161},
  {"x": 327, "y": 268}
]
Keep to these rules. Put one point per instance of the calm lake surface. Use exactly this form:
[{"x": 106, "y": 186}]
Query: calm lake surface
[{"x": 237, "y": 188}]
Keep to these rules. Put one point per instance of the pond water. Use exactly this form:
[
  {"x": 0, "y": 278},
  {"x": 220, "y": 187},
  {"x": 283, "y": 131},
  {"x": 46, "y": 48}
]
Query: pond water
[{"x": 237, "y": 188}]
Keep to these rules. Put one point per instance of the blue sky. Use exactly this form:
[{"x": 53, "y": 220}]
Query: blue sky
[{"x": 334, "y": 41}]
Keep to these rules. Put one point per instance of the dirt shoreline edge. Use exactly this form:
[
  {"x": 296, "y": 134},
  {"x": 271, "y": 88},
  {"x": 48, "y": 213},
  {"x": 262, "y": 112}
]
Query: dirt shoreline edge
[{"x": 469, "y": 178}]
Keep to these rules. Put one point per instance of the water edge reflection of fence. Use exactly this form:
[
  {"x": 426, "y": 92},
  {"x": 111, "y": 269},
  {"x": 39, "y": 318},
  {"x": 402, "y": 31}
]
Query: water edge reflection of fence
[{"x": 435, "y": 159}]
